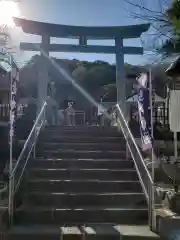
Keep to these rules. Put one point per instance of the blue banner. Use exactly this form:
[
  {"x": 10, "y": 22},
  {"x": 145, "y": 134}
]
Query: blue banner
[{"x": 144, "y": 116}]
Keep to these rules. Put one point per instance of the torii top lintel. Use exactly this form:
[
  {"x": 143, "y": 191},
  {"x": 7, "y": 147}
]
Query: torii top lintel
[{"x": 67, "y": 31}]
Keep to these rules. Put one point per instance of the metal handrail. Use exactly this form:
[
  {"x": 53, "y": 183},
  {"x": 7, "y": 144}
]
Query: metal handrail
[
  {"x": 30, "y": 142},
  {"x": 146, "y": 181},
  {"x": 135, "y": 144},
  {"x": 134, "y": 160},
  {"x": 27, "y": 141}
]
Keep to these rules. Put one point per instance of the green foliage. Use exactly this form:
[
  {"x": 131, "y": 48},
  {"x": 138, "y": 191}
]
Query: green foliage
[
  {"x": 172, "y": 45},
  {"x": 96, "y": 77},
  {"x": 92, "y": 76},
  {"x": 111, "y": 90},
  {"x": 173, "y": 14},
  {"x": 174, "y": 11}
]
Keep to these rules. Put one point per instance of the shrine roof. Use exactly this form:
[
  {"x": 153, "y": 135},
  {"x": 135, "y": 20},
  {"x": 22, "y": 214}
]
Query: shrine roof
[{"x": 68, "y": 31}]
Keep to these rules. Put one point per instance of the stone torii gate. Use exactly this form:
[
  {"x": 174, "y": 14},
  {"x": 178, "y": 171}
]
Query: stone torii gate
[{"x": 48, "y": 30}]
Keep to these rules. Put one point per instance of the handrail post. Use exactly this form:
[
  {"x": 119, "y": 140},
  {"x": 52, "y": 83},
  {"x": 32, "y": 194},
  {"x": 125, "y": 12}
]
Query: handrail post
[
  {"x": 151, "y": 209},
  {"x": 31, "y": 140},
  {"x": 34, "y": 149},
  {"x": 84, "y": 118},
  {"x": 11, "y": 133},
  {"x": 11, "y": 201}
]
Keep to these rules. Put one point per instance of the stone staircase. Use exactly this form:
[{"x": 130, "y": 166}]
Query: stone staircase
[{"x": 81, "y": 185}]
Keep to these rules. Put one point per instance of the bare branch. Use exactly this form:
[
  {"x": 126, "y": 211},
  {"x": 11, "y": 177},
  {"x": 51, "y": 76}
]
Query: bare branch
[
  {"x": 149, "y": 18},
  {"x": 142, "y": 7},
  {"x": 161, "y": 42}
]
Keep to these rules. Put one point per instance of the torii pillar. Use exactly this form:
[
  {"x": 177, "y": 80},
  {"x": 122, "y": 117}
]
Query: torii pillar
[
  {"x": 43, "y": 75},
  {"x": 120, "y": 74}
]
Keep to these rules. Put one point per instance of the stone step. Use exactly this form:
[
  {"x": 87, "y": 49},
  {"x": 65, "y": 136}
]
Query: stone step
[
  {"x": 96, "y": 174},
  {"x": 49, "y": 135},
  {"x": 49, "y": 185},
  {"x": 134, "y": 232},
  {"x": 82, "y": 163},
  {"x": 83, "y": 146},
  {"x": 75, "y": 200},
  {"x": 168, "y": 222},
  {"x": 82, "y": 215},
  {"x": 70, "y": 153},
  {"x": 90, "y": 231},
  {"x": 82, "y": 128},
  {"x": 81, "y": 138},
  {"x": 36, "y": 232},
  {"x": 85, "y": 131}
]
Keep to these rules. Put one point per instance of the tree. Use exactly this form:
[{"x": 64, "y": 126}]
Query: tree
[
  {"x": 173, "y": 14},
  {"x": 111, "y": 91},
  {"x": 171, "y": 46},
  {"x": 155, "y": 14},
  {"x": 161, "y": 35},
  {"x": 95, "y": 77},
  {"x": 99, "y": 76},
  {"x": 92, "y": 76},
  {"x": 80, "y": 73},
  {"x": 28, "y": 78},
  {"x": 160, "y": 78}
]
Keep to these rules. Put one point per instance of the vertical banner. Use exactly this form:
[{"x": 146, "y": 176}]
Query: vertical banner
[
  {"x": 144, "y": 111},
  {"x": 14, "y": 79},
  {"x": 13, "y": 99},
  {"x": 145, "y": 107}
]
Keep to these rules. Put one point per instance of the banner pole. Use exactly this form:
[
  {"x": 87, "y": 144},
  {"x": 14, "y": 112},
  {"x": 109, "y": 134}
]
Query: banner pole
[
  {"x": 151, "y": 99},
  {"x": 152, "y": 199},
  {"x": 10, "y": 203},
  {"x": 175, "y": 147}
]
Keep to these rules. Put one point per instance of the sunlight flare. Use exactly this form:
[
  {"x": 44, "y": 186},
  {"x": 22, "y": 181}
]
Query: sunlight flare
[{"x": 8, "y": 10}]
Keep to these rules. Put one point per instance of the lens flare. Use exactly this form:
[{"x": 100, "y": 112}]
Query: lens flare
[{"x": 8, "y": 10}]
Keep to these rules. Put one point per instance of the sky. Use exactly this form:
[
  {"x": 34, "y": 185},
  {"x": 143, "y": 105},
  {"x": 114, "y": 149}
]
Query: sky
[{"x": 84, "y": 13}]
